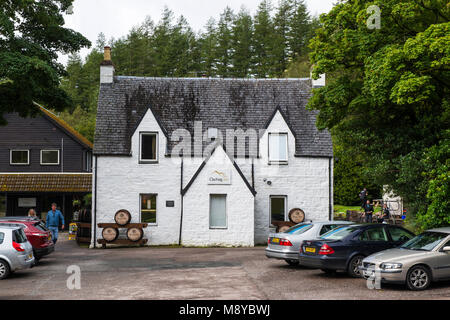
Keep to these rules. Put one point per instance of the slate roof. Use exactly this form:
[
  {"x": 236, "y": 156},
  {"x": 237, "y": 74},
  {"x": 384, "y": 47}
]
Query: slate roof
[
  {"x": 46, "y": 182},
  {"x": 218, "y": 103}
]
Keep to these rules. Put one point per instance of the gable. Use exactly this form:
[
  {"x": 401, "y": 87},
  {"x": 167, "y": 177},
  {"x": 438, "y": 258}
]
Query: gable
[{"x": 218, "y": 153}]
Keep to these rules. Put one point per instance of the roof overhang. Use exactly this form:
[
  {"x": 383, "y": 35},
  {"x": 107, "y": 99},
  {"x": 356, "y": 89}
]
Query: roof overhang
[{"x": 46, "y": 182}]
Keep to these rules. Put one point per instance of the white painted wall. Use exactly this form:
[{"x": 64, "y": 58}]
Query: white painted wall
[
  {"x": 305, "y": 182},
  {"x": 239, "y": 207}
]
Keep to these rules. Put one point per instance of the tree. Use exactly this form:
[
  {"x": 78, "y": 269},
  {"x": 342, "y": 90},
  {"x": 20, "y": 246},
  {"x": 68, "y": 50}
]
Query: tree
[
  {"x": 31, "y": 35},
  {"x": 208, "y": 45},
  {"x": 389, "y": 93},
  {"x": 263, "y": 41},
  {"x": 241, "y": 42},
  {"x": 281, "y": 49},
  {"x": 224, "y": 38}
]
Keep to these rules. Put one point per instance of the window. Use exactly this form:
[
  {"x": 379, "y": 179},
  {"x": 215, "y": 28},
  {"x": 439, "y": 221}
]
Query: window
[
  {"x": 19, "y": 236},
  {"x": 299, "y": 229},
  {"x": 278, "y": 148},
  {"x": 218, "y": 211},
  {"x": 20, "y": 157},
  {"x": 398, "y": 234},
  {"x": 2, "y": 236},
  {"x": 374, "y": 234},
  {"x": 88, "y": 162},
  {"x": 328, "y": 227},
  {"x": 277, "y": 208},
  {"x": 148, "y": 208},
  {"x": 50, "y": 157},
  {"x": 149, "y": 148}
]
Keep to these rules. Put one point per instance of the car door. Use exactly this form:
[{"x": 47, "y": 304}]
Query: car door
[
  {"x": 374, "y": 239},
  {"x": 399, "y": 235},
  {"x": 441, "y": 262}
]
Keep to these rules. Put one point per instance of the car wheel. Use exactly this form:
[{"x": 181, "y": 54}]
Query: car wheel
[
  {"x": 329, "y": 271},
  {"x": 418, "y": 278},
  {"x": 4, "y": 269},
  {"x": 353, "y": 266},
  {"x": 292, "y": 262}
]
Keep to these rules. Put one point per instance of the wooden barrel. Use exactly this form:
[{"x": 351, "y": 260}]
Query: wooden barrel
[
  {"x": 135, "y": 234},
  {"x": 122, "y": 217},
  {"x": 297, "y": 215},
  {"x": 110, "y": 234}
]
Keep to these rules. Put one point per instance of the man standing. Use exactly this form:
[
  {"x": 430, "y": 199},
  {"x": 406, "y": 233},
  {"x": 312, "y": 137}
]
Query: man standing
[
  {"x": 363, "y": 197},
  {"x": 368, "y": 211},
  {"x": 54, "y": 217}
]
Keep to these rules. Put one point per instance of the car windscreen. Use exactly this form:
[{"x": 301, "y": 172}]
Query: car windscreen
[
  {"x": 19, "y": 236},
  {"x": 2, "y": 236},
  {"x": 299, "y": 229},
  {"x": 426, "y": 241},
  {"x": 339, "y": 233}
]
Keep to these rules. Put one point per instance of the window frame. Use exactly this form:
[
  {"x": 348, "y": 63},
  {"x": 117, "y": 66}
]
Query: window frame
[
  {"x": 149, "y": 161},
  {"x": 226, "y": 212},
  {"x": 285, "y": 197},
  {"x": 2, "y": 237},
  {"x": 386, "y": 234},
  {"x": 19, "y": 150},
  {"x": 50, "y": 164},
  {"x": 278, "y": 161},
  {"x": 140, "y": 208}
]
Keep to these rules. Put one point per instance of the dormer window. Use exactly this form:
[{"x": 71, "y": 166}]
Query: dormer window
[
  {"x": 278, "y": 148},
  {"x": 148, "y": 147}
]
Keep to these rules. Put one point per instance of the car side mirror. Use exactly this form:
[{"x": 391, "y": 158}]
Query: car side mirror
[{"x": 446, "y": 249}]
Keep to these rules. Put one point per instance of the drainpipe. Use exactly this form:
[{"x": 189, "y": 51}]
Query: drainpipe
[
  {"x": 62, "y": 154},
  {"x": 330, "y": 191},
  {"x": 182, "y": 202},
  {"x": 95, "y": 204}
]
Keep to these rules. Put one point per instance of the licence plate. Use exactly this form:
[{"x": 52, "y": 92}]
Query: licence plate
[
  {"x": 311, "y": 250},
  {"x": 275, "y": 240}
]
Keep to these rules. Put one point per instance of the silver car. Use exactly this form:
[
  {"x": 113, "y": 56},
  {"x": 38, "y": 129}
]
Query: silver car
[
  {"x": 15, "y": 251},
  {"x": 286, "y": 245},
  {"x": 418, "y": 262}
]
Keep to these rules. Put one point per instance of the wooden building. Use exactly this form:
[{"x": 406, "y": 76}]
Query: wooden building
[{"x": 42, "y": 160}]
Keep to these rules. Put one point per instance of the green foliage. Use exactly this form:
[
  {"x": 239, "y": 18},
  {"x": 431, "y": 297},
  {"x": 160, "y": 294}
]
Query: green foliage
[
  {"x": 389, "y": 94},
  {"x": 31, "y": 35}
]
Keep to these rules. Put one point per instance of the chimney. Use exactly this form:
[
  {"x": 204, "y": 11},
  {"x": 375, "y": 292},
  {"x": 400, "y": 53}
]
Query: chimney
[
  {"x": 319, "y": 82},
  {"x": 107, "y": 68}
]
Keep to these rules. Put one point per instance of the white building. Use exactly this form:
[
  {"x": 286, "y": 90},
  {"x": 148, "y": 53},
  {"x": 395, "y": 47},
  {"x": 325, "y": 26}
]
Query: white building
[{"x": 251, "y": 153}]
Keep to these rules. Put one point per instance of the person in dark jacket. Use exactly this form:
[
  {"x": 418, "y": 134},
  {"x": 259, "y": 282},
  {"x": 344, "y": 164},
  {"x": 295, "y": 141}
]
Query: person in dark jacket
[
  {"x": 363, "y": 197},
  {"x": 368, "y": 211},
  {"x": 385, "y": 214}
]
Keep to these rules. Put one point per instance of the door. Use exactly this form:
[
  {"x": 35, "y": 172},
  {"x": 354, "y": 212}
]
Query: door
[
  {"x": 375, "y": 239},
  {"x": 441, "y": 263}
]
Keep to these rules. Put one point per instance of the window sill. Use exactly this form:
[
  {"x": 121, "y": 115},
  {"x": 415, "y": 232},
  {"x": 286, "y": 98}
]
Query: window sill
[
  {"x": 148, "y": 161},
  {"x": 218, "y": 228},
  {"x": 280, "y": 163}
]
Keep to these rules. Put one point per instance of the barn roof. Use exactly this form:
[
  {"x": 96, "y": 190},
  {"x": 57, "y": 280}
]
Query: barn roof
[{"x": 219, "y": 103}]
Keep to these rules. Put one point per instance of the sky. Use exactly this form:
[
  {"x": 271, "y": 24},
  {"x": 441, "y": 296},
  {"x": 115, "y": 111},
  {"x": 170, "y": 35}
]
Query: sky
[{"x": 116, "y": 18}]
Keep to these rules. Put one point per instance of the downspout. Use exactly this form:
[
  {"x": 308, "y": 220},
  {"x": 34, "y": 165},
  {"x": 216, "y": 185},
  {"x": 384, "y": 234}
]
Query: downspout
[
  {"x": 330, "y": 191},
  {"x": 62, "y": 154},
  {"x": 95, "y": 203},
  {"x": 182, "y": 202}
]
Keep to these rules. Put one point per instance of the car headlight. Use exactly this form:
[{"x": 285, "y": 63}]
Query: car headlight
[{"x": 391, "y": 266}]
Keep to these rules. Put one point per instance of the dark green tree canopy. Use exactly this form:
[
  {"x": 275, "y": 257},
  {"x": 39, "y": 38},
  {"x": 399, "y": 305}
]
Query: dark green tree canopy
[
  {"x": 389, "y": 88},
  {"x": 31, "y": 35}
]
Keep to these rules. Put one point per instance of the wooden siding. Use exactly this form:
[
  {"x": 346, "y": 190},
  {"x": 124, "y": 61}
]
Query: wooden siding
[{"x": 36, "y": 134}]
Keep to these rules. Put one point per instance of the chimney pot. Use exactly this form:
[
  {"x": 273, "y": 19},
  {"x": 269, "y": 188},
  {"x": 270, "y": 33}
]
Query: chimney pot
[
  {"x": 107, "y": 54},
  {"x": 107, "y": 67}
]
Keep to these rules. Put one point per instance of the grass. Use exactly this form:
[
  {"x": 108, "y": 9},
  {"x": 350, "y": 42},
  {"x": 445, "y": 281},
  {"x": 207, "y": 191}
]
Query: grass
[{"x": 341, "y": 211}]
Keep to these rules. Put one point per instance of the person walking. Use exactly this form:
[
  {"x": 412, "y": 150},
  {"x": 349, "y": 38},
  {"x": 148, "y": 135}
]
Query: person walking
[
  {"x": 54, "y": 217},
  {"x": 368, "y": 211},
  {"x": 363, "y": 197}
]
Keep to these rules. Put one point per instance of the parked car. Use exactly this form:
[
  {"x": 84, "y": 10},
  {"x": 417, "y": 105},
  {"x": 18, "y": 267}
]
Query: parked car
[
  {"x": 15, "y": 251},
  {"x": 417, "y": 263},
  {"x": 343, "y": 249},
  {"x": 286, "y": 245},
  {"x": 37, "y": 234}
]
